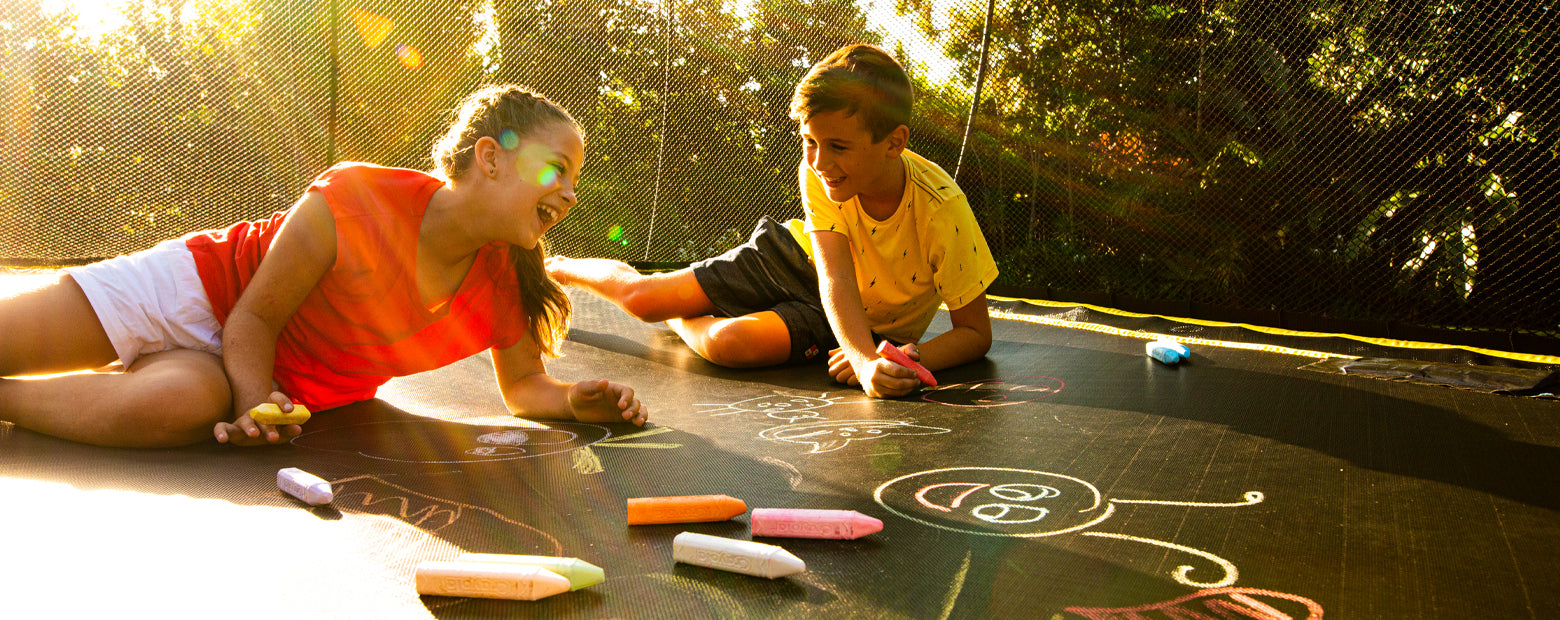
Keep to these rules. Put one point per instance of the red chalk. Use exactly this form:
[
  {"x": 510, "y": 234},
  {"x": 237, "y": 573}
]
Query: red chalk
[{"x": 893, "y": 354}]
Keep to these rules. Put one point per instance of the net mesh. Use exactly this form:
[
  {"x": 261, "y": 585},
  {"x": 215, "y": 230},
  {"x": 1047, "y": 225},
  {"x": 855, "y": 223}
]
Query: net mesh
[{"x": 1387, "y": 160}]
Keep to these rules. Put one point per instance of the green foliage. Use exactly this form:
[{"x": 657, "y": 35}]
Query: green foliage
[{"x": 1375, "y": 159}]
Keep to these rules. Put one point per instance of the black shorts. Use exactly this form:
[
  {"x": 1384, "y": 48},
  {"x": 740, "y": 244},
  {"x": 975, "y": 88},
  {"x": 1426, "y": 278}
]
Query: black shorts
[{"x": 771, "y": 272}]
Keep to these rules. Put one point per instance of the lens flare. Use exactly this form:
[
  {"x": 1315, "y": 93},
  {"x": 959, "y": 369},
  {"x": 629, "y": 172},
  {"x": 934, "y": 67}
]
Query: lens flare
[
  {"x": 371, "y": 28},
  {"x": 508, "y": 139},
  {"x": 615, "y": 233},
  {"x": 547, "y": 176},
  {"x": 410, "y": 57}
]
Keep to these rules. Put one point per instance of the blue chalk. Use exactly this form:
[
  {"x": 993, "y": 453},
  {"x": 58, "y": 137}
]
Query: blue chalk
[{"x": 1168, "y": 351}]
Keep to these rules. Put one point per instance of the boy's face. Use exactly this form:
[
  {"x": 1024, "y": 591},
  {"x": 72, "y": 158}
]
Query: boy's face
[{"x": 840, "y": 152}]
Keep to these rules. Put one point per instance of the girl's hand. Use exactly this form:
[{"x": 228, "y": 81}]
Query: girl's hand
[
  {"x": 246, "y": 432},
  {"x": 605, "y": 401}
]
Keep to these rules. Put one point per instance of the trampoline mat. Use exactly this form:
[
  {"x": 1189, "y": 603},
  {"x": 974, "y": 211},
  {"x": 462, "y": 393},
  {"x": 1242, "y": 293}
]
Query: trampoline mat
[{"x": 1068, "y": 475}]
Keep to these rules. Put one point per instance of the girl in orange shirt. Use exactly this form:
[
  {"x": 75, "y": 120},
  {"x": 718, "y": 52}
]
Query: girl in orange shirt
[{"x": 374, "y": 273}]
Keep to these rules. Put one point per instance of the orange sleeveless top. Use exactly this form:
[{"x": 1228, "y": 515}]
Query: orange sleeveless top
[{"x": 365, "y": 322}]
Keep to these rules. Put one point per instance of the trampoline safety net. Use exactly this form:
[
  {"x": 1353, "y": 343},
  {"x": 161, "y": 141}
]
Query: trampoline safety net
[{"x": 1370, "y": 160}]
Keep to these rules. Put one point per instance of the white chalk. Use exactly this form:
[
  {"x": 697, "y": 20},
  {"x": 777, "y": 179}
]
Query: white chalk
[
  {"x": 738, "y": 556},
  {"x": 311, "y": 489}
]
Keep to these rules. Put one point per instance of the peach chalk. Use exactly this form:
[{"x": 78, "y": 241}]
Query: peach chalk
[
  {"x": 738, "y": 556},
  {"x": 489, "y": 580},
  {"x": 803, "y": 523},
  {"x": 893, "y": 354},
  {"x": 683, "y": 509}
]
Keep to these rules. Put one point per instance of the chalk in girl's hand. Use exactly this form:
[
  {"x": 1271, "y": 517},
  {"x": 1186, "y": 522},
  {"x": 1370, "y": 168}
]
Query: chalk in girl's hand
[
  {"x": 271, "y": 413},
  {"x": 1168, "y": 351},
  {"x": 311, "y": 489},
  {"x": 895, "y": 355}
]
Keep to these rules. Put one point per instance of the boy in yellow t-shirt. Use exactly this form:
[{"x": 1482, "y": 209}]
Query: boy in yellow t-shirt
[{"x": 888, "y": 238}]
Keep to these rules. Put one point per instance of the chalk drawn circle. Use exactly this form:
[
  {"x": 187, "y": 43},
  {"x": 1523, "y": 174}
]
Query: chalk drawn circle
[
  {"x": 993, "y": 392},
  {"x": 995, "y": 501},
  {"x": 495, "y": 450},
  {"x": 437, "y": 441}
]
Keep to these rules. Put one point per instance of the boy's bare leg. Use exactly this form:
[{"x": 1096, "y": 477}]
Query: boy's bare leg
[
  {"x": 650, "y": 297},
  {"x": 751, "y": 341},
  {"x": 164, "y": 399}
]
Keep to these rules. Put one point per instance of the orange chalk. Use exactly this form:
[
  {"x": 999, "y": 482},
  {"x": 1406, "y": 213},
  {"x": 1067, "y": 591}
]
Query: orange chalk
[{"x": 683, "y": 509}]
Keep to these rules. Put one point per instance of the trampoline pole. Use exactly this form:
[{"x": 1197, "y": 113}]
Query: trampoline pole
[{"x": 980, "y": 81}]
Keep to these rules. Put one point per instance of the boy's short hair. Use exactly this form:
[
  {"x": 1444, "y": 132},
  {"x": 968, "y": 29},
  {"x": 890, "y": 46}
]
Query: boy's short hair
[{"x": 859, "y": 78}]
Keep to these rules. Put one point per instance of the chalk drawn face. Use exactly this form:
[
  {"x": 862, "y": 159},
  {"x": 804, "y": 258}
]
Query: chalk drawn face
[
  {"x": 835, "y": 434},
  {"x": 778, "y": 406},
  {"x": 995, "y": 501},
  {"x": 993, "y": 392},
  {"x": 434, "y": 441}
]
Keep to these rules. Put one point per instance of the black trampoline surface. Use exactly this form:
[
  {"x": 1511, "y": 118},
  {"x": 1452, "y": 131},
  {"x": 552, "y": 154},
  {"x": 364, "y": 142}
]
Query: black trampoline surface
[{"x": 1066, "y": 476}]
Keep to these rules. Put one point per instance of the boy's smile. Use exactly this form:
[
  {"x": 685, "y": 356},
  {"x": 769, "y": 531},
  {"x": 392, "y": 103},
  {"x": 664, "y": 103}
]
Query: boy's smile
[{"x": 839, "y": 151}]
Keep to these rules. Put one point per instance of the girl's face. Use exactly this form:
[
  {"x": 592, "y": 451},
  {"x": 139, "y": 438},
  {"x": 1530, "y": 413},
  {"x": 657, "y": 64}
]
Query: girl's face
[{"x": 536, "y": 179}]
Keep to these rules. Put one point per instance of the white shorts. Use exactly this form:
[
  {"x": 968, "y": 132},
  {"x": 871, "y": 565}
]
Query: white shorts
[{"x": 151, "y": 301}]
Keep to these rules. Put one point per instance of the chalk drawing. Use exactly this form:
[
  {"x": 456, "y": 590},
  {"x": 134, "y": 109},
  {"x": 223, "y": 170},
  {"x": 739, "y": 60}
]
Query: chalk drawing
[
  {"x": 993, "y": 392},
  {"x": 371, "y": 495},
  {"x": 778, "y": 406},
  {"x": 1215, "y": 603},
  {"x": 586, "y": 461},
  {"x": 436, "y": 441},
  {"x": 835, "y": 434},
  {"x": 1023, "y": 503},
  {"x": 793, "y": 476}
]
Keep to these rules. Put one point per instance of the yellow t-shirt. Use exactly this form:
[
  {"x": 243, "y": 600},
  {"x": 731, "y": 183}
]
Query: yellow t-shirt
[{"x": 929, "y": 252}]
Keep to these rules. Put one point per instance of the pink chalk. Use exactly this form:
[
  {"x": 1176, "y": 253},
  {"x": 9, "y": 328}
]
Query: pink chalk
[
  {"x": 803, "y": 523},
  {"x": 897, "y": 356}
]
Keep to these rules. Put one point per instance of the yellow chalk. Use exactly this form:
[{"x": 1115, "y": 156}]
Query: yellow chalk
[{"x": 270, "y": 413}]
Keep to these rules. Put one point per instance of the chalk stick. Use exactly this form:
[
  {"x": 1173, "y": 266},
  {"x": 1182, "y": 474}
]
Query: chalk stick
[
  {"x": 311, "y": 489},
  {"x": 580, "y": 573},
  {"x": 737, "y": 556},
  {"x": 895, "y": 355},
  {"x": 488, "y": 580},
  {"x": 1167, "y": 351},
  {"x": 804, "y": 523},
  {"x": 271, "y": 413},
  {"x": 683, "y": 509}
]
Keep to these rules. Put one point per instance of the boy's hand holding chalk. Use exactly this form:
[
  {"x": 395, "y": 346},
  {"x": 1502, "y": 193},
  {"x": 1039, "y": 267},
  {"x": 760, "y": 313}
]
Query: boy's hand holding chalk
[{"x": 893, "y": 354}]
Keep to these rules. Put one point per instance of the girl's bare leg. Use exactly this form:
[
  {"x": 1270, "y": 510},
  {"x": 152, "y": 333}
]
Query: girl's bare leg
[{"x": 164, "y": 399}]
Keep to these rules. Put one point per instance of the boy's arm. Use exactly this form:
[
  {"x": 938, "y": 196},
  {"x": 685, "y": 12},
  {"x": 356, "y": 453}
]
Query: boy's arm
[
  {"x": 969, "y": 340},
  {"x": 842, "y": 303},
  {"x": 529, "y": 392}
]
